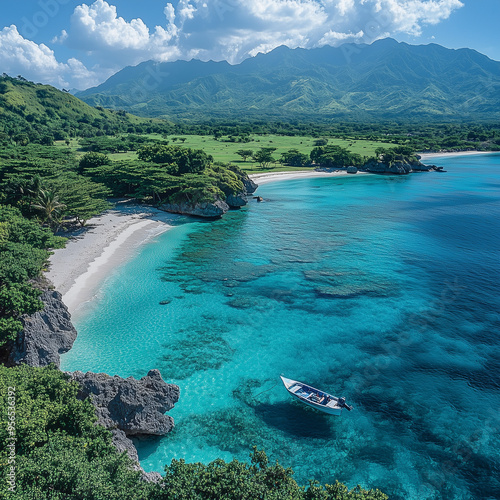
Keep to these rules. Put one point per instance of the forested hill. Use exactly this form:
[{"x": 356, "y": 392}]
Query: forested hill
[
  {"x": 384, "y": 80},
  {"x": 31, "y": 112}
]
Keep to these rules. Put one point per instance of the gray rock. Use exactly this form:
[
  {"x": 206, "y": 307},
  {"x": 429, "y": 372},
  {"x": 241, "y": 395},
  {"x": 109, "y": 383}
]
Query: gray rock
[
  {"x": 151, "y": 477},
  {"x": 420, "y": 167},
  {"x": 397, "y": 168},
  {"x": 236, "y": 200},
  {"x": 400, "y": 168},
  {"x": 126, "y": 407},
  {"x": 352, "y": 170},
  {"x": 249, "y": 184},
  {"x": 136, "y": 407},
  {"x": 122, "y": 443},
  {"x": 45, "y": 335},
  {"x": 210, "y": 210}
]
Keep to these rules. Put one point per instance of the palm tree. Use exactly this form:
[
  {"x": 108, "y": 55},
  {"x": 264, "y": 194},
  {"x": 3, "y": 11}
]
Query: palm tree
[
  {"x": 49, "y": 205},
  {"x": 33, "y": 187}
]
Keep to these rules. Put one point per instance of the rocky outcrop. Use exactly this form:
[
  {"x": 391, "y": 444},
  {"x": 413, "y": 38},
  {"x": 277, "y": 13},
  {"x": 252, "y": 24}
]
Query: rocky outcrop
[
  {"x": 130, "y": 407},
  {"x": 400, "y": 167},
  {"x": 136, "y": 407},
  {"x": 236, "y": 200},
  {"x": 250, "y": 185},
  {"x": 212, "y": 210},
  {"x": 352, "y": 170},
  {"x": 45, "y": 335},
  {"x": 123, "y": 444},
  {"x": 216, "y": 208},
  {"x": 240, "y": 199}
]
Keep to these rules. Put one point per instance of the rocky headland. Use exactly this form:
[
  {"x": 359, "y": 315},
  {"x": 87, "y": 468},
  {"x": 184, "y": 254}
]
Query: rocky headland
[
  {"x": 402, "y": 166},
  {"x": 127, "y": 407},
  {"x": 45, "y": 335},
  {"x": 217, "y": 207}
]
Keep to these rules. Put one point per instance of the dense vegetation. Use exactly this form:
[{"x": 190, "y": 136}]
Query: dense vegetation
[
  {"x": 43, "y": 182},
  {"x": 165, "y": 174},
  {"x": 60, "y": 454},
  {"x": 24, "y": 248}
]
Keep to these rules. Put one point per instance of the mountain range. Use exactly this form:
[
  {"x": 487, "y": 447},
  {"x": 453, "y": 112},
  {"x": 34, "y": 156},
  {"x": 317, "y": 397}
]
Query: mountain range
[{"x": 384, "y": 80}]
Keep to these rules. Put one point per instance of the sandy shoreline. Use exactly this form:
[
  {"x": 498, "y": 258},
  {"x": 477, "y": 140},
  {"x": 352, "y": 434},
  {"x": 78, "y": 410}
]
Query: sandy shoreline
[
  {"x": 107, "y": 242},
  {"x": 266, "y": 177},
  {"x": 429, "y": 156}
]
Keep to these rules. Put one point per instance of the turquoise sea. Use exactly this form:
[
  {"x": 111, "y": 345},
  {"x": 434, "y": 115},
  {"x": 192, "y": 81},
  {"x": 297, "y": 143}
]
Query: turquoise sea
[{"x": 385, "y": 290}]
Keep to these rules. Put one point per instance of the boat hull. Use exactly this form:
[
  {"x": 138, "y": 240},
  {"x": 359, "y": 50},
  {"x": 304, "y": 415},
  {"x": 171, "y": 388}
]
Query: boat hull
[
  {"x": 304, "y": 393},
  {"x": 324, "y": 409}
]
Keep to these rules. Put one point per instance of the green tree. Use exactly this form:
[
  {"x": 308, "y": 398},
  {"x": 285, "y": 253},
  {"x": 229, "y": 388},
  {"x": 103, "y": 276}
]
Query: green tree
[
  {"x": 295, "y": 158},
  {"x": 21, "y": 139},
  {"x": 244, "y": 153},
  {"x": 321, "y": 142},
  {"x": 241, "y": 481},
  {"x": 93, "y": 160},
  {"x": 60, "y": 452},
  {"x": 81, "y": 197},
  {"x": 335, "y": 157},
  {"x": 50, "y": 208},
  {"x": 23, "y": 247},
  {"x": 47, "y": 140},
  {"x": 179, "y": 160},
  {"x": 264, "y": 157}
]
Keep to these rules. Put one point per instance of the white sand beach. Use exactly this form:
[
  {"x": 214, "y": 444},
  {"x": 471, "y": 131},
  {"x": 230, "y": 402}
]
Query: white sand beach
[
  {"x": 106, "y": 242},
  {"x": 429, "y": 156},
  {"x": 266, "y": 177}
]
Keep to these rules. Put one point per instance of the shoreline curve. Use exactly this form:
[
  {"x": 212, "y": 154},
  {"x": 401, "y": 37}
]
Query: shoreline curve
[{"x": 108, "y": 241}]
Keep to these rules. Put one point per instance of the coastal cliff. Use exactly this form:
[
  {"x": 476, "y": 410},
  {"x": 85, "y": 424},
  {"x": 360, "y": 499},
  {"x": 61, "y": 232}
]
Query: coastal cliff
[
  {"x": 130, "y": 407},
  {"x": 209, "y": 210},
  {"x": 45, "y": 334},
  {"x": 217, "y": 207},
  {"x": 126, "y": 407}
]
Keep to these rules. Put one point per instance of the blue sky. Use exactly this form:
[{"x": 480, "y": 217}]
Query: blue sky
[{"x": 77, "y": 45}]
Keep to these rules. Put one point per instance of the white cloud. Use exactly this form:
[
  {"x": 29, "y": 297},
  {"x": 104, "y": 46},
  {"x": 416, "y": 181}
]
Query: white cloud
[
  {"x": 409, "y": 15},
  {"x": 213, "y": 29},
  {"x": 97, "y": 29},
  {"x": 19, "y": 56},
  {"x": 235, "y": 29},
  {"x": 185, "y": 10},
  {"x": 169, "y": 12}
]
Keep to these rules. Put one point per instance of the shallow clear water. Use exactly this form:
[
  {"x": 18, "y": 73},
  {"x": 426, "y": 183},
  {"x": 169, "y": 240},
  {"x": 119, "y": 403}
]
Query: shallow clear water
[{"x": 382, "y": 289}]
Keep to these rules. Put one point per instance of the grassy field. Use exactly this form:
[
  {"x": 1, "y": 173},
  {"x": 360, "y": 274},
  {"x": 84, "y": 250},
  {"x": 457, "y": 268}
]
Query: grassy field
[{"x": 225, "y": 151}]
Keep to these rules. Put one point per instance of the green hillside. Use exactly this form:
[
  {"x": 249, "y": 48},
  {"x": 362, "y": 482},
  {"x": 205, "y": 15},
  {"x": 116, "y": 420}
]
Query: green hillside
[
  {"x": 383, "y": 81},
  {"x": 42, "y": 111}
]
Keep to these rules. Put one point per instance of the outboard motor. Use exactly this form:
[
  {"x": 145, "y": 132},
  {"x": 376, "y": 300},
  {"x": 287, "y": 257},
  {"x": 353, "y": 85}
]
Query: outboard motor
[{"x": 343, "y": 404}]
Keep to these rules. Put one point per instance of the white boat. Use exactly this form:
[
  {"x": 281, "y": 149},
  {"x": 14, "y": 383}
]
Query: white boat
[{"x": 315, "y": 398}]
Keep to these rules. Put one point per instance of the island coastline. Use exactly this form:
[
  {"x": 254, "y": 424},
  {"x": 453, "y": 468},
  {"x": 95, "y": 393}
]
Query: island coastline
[
  {"x": 431, "y": 156},
  {"x": 265, "y": 177},
  {"x": 108, "y": 241}
]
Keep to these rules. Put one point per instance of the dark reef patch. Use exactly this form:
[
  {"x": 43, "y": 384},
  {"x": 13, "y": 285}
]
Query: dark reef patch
[{"x": 200, "y": 350}]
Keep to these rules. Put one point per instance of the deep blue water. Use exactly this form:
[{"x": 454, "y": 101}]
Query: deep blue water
[{"x": 385, "y": 290}]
